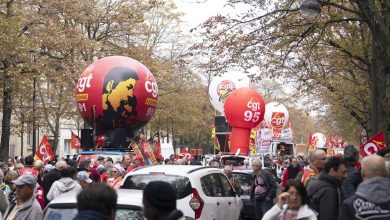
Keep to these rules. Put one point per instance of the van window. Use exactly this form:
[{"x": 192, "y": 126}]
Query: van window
[
  {"x": 181, "y": 184},
  {"x": 233, "y": 160}
]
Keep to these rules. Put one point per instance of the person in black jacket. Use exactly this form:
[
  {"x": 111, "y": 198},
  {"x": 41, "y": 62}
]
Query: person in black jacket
[
  {"x": 263, "y": 190},
  {"x": 353, "y": 179},
  {"x": 51, "y": 177},
  {"x": 324, "y": 193},
  {"x": 372, "y": 197}
]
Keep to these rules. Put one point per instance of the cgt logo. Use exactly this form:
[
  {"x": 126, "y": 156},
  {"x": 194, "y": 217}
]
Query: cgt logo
[
  {"x": 278, "y": 119},
  {"x": 84, "y": 82},
  {"x": 151, "y": 87}
]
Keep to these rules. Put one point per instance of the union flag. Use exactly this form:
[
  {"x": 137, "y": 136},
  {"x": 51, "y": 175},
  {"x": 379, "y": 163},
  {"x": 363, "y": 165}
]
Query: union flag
[
  {"x": 75, "y": 141},
  {"x": 373, "y": 145},
  {"x": 44, "y": 151}
]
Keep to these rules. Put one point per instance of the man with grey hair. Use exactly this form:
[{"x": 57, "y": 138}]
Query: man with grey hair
[
  {"x": 25, "y": 205},
  {"x": 317, "y": 160},
  {"x": 51, "y": 177},
  {"x": 263, "y": 189},
  {"x": 353, "y": 179},
  {"x": 372, "y": 197}
]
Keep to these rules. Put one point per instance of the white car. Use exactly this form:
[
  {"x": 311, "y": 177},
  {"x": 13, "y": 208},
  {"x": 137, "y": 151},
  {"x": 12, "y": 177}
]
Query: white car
[
  {"x": 64, "y": 207},
  {"x": 203, "y": 192}
]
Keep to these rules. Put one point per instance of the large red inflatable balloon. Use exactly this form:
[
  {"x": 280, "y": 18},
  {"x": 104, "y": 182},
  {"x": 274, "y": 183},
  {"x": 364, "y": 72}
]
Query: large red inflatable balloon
[
  {"x": 117, "y": 92},
  {"x": 244, "y": 109}
]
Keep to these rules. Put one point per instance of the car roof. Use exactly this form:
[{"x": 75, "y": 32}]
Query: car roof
[
  {"x": 125, "y": 197},
  {"x": 182, "y": 170}
]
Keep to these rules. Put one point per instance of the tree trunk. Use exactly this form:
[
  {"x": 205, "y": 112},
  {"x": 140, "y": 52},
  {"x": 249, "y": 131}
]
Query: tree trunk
[
  {"x": 56, "y": 135},
  {"x": 7, "y": 111}
]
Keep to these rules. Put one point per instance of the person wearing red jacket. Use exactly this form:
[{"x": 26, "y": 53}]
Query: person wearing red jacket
[{"x": 291, "y": 172}]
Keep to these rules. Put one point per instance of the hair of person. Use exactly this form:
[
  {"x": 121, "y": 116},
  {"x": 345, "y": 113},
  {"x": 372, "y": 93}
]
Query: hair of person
[
  {"x": 68, "y": 172},
  {"x": 98, "y": 197},
  {"x": 110, "y": 159},
  {"x": 118, "y": 74},
  {"x": 84, "y": 163},
  {"x": 374, "y": 166},
  {"x": 351, "y": 153},
  {"x": 333, "y": 162},
  {"x": 314, "y": 154},
  {"x": 29, "y": 160},
  {"x": 300, "y": 188}
]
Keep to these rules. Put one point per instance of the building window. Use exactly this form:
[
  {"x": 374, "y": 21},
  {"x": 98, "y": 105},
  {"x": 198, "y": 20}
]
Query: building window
[{"x": 67, "y": 146}]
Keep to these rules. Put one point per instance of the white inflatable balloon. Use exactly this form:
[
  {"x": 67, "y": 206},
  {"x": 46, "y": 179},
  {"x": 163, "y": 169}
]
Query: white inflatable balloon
[
  {"x": 276, "y": 115},
  {"x": 221, "y": 87},
  {"x": 318, "y": 140}
]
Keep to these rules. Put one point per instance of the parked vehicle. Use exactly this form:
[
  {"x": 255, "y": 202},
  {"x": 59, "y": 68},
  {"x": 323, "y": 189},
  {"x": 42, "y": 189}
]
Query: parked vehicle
[
  {"x": 234, "y": 160},
  {"x": 203, "y": 192},
  {"x": 245, "y": 178},
  {"x": 64, "y": 207}
]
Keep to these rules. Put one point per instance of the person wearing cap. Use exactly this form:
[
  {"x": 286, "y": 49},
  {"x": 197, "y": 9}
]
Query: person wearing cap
[
  {"x": 86, "y": 165},
  {"x": 51, "y": 177},
  {"x": 116, "y": 173},
  {"x": 159, "y": 200},
  {"x": 83, "y": 179},
  {"x": 25, "y": 205},
  {"x": 67, "y": 183},
  {"x": 263, "y": 189}
]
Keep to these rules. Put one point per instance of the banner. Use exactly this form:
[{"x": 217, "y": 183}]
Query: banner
[
  {"x": 263, "y": 140},
  {"x": 44, "y": 151},
  {"x": 157, "y": 147},
  {"x": 373, "y": 145},
  {"x": 136, "y": 149},
  {"x": 215, "y": 138},
  {"x": 75, "y": 141},
  {"x": 148, "y": 151}
]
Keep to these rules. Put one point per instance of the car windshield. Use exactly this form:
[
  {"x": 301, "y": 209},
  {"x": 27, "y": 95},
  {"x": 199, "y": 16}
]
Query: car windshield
[
  {"x": 244, "y": 179},
  {"x": 232, "y": 160},
  {"x": 181, "y": 183},
  {"x": 70, "y": 213}
]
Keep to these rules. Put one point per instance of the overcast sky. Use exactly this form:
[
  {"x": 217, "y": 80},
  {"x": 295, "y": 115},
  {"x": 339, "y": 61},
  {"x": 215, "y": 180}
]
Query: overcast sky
[{"x": 197, "y": 11}]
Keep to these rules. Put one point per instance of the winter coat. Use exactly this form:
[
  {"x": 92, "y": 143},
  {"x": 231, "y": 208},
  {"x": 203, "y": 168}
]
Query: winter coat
[
  {"x": 371, "y": 201},
  {"x": 62, "y": 186},
  {"x": 290, "y": 173},
  {"x": 48, "y": 181},
  {"x": 269, "y": 183},
  {"x": 350, "y": 184},
  {"x": 324, "y": 197},
  {"x": 31, "y": 210},
  {"x": 276, "y": 213}
]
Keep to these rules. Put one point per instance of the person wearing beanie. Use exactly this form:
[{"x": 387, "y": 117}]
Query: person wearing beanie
[{"x": 159, "y": 199}]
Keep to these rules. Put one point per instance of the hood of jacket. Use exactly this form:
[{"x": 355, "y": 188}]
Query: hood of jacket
[
  {"x": 329, "y": 179},
  {"x": 305, "y": 212},
  {"x": 375, "y": 190},
  {"x": 66, "y": 184}
]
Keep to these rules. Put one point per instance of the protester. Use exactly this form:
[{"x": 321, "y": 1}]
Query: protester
[
  {"x": 67, "y": 183},
  {"x": 317, "y": 159},
  {"x": 159, "y": 199},
  {"x": 51, "y": 177},
  {"x": 126, "y": 161},
  {"x": 97, "y": 202},
  {"x": 291, "y": 172},
  {"x": 263, "y": 190},
  {"x": 228, "y": 170},
  {"x": 3, "y": 186},
  {"x": 138, "y": 161},
  {"x": 372, "y": 197},
  {"x": 117, "y": 172},
  {"x": 85, "y": 165},
  {"x": 324, "y": 193},
  {"x": 354, "y": 178},
  {"x": 105, "y": 175},
  {"x": 195, "y": 161},
  {"x": 292, "y": 204},
  {"x": 10, "y": 163},
  {"x": 83, "y": 179},
  {"x": 24, "y": 206},
  {"x": 28, "y": 167}
]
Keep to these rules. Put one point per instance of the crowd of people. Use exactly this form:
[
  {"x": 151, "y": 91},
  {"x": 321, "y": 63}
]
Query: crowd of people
[
  {"x": 318, "y": 187},
  {"x": 328, "y": 187}
]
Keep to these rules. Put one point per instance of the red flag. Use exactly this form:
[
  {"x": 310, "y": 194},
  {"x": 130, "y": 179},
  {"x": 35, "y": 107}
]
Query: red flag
[
  {"x": 100, "y": 141},
  {"x": 75, "y": 141},
  {"x": 157, "y": 148},
  {"x": 310, "y": 143},
  {"x": 136, "y": 149},
  {"x": 373, "y": 145},
  {"x": 44, "y": 151}
]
